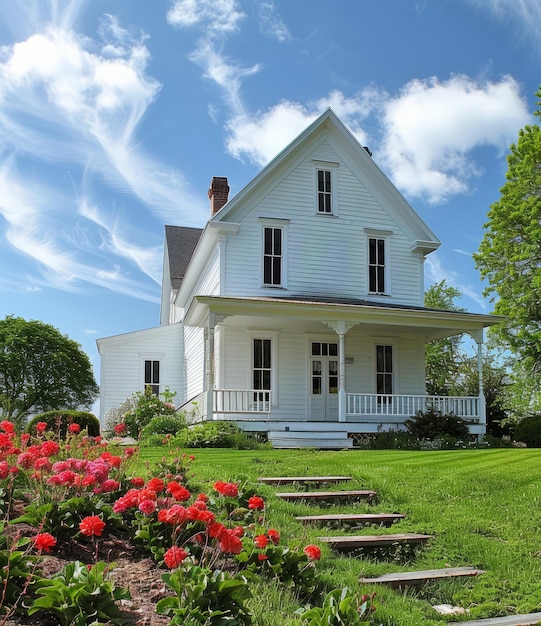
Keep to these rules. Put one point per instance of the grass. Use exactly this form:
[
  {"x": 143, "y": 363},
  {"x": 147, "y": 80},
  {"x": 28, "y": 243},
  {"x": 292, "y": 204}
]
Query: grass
[{"x": 483, "y": 506}]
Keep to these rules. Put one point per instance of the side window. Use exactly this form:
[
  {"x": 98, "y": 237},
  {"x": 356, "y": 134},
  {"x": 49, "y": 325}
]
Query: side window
[
  {"x": 376, "y": 265},
  {"x": 152, "y": 376},
  {"x": 324, "y": 192},
  {"x": 272, "y": 256}
]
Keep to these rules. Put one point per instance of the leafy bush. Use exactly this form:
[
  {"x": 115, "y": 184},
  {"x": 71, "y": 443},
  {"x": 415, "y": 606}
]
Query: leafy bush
[
  {"x": 528, "y": 431},
  {"x": 59, "y": 422},
  {"x": 136, "y": 412},
  {"x": 433, "y": 424},
  {"x": 215, "y": 434},
  {"x": 164, "y": 425}
]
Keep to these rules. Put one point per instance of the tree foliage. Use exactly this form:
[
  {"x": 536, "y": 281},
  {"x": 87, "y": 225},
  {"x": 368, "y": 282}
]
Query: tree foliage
[
  {"x": 41, "y": 370},
  {"x": 442, "y": 356},
  {"x": 509, "y": 256}
]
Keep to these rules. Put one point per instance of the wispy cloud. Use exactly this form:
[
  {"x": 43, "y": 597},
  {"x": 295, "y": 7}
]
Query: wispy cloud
[
  {"x": 525, "y": 13},
  {"x": 435, "y": 273},
  {"x": 74, "y": 103},
  {"x": 213, "y": 16},
  {"x": 271, "y": 23}
]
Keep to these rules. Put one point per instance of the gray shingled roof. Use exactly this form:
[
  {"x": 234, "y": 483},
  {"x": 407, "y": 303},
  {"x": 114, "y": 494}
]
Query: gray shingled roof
[{"x": 180, "y": 244}]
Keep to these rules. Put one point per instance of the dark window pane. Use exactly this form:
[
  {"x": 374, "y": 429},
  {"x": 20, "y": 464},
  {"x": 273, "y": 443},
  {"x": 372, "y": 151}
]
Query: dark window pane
[
  {"x": 148, "y": 370},
  {"x": 327, "y": 182},
  {"x": 277, "y": 241},
  {"x": 258, "y": 358},
  {"x": 266, "y": 379},
  {"x": 372, "y": 251},
  {"x": 372, "y": 277},
  {"x": 333, "y": 349},
  {"x": 381, "y": 251},
  {"x": 316, "y": 348},
  {"x": 381, "y": 279},
  {"x": 268, "y": 240},
  {"x": 155, "y": 372},
  {"x": 257, "y": 379},
  {"x": 333, "y": 384},
  {"x": 316, "y": 385},
  {"x": 266, "y": 353},
  {"x": 388, "y": 358}
]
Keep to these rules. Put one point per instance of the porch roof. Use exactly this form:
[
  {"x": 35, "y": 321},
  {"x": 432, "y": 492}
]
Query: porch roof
[{"x": 433, "y": 323}]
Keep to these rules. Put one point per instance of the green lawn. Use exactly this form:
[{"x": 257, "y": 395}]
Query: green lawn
[{"x": 483, "y": 506}]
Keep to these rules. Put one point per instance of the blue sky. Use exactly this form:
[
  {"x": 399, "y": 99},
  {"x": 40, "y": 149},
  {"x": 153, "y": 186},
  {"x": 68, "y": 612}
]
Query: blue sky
[{"x": 115, "y": 115}]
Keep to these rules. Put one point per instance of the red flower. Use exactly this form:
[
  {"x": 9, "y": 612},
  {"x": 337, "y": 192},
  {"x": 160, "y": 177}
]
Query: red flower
[
  {"x": 174, "y": 556},
  {"x": 44, "y": 542},
  {"x": 50, "y": 448},
  {"x": 156, "y": 485},
  {"x": 41, "y": 427},
  {"x": 4, "y": 470},
  {"x": 7, "y": 427},
  {"x": 147, "y": 507},
  {"x": 262, "y": 557},
  {"x": 92, "y": 526},
  {"x": 255, "y": 502},
  {"x": 273, "y": 535},
  {"x": 178, "y": 491},
  {"x": 261, "y": 541},
  {"x": 312, "y": 552},
  {"x": 74, "y": 428},
  {"x": 227, "y": 489},
  {"x": 230, "y": 543},
  {"x": 120, "y": 429},
  {"x": 137, "y": 481}
]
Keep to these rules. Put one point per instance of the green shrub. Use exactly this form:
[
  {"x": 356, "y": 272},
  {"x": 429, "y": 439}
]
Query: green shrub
[
  {"x": 216, "y": 434},
  {"x": 164, "y": 425},
  {"x": 433, "y": 424},
  {"x": 142, "y": 407},
  {"x": 59, "y": 421},
  {"x": 528, "y": 430}
]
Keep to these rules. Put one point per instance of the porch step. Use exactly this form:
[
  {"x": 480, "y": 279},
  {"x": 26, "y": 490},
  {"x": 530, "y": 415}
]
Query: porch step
[
  {"x": 384, "y": 519},
  {"x": 404, "y": 579},
  {"x": 369, "y": 541},
  {"x": 310, "y": 439},
  {"x": 286, "y": 480},
  {"x": 329, "y": 495},
  {"x": 529, "y": 619}
]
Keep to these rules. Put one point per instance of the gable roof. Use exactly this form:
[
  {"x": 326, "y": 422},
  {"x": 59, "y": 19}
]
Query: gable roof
[
  {"x": 372, "y": 177},
  {"x": 180, "y": 243}
]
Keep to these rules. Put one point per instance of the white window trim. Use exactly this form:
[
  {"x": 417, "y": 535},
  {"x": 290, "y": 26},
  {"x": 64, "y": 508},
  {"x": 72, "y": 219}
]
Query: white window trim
[
  {"x": 376, "y": 233},
  {"x": 332, "y": 167},
  {"x": 273, "y": 336},
  {"x": 160, "y": 357},
  {"x": 386, "y": 341},
  {"x": 274, "y": 222}
]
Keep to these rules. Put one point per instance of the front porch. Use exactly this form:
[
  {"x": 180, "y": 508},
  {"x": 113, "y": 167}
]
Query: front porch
[{"x": 364, "y": 412}]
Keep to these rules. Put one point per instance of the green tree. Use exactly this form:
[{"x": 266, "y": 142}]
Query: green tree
[
  {"x": 41, "y": 370},
  {"x": 509, "y": 256},
  {"x": 443, "y": 356}
]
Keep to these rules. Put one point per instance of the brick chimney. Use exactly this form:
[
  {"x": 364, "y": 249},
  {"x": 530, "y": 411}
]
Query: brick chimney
[{"x": 218, "y": 193}]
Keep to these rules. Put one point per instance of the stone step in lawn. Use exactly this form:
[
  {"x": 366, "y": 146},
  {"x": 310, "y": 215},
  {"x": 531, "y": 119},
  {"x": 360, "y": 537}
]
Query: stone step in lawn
[
  {"x": 328, "y": 496},
  {"x": 384, "y": 519},
  {"x": 368, "y": 541},
  {"x": 287, "y": 480},
  {"x": 406, "y": 579},
  {"x": 529, "y": 619}
]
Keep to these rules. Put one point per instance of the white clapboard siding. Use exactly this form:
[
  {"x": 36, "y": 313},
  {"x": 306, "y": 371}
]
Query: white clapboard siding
[
  {"x": 194, "y": 358},
  {"x": 209, "y": 283},
  {"x": 122, "y": 364}
]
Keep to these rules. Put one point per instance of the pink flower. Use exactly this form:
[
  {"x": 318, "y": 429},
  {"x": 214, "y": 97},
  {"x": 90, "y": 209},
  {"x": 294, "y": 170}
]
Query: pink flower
[
  {"x": 92, "y": 526},
  {"x": 312, "y": 552},
  {"x": 174, "y": 557},
  {"x": 255, "y": 502},
  {"x": 147, "y": 507},
  {"x": 120, "y": 429},
  {"x": 44, "y": 542}
]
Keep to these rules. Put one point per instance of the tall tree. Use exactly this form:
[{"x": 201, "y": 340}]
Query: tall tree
[
  {"x": 443, "y": 356},
  {"x": 41, "y": 370},
  {"x": 509, "y": 256}
]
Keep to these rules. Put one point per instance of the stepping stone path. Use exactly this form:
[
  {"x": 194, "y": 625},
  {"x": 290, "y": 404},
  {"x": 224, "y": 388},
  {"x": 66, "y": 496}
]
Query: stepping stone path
[{"x": 399, "y": 579}]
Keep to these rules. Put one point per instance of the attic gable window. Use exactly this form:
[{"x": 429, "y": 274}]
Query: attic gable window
[
  {"x": 274, "y": 246},
  {"x": 376, "y": 265},
  {"x": 324, "y": 192}
]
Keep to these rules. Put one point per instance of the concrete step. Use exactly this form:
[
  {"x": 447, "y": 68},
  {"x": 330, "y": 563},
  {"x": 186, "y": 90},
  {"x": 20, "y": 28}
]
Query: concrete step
[
  {"x": 383, "y": 519},
  {"x": 329, "y": 496},
  {"x": 404, "y": 579},
  {"x": 368, "y": 541}
]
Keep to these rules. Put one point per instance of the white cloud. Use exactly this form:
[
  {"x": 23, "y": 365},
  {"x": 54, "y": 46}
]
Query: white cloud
[
  {"x": 431, "y": 128},
  {"x": 261, "y": 136},
  {"x": 271, "y": 23},
  {"x": 213, "y": 16}
]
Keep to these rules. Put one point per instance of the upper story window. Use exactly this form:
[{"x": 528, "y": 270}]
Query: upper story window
[
  {"x": 378, "y": 261},
  {"x": 324, "y": 191},
  {"x": 326, "y": 187},
  {"x": 272, "y": 256},
  {"x": 274, "y": 247},
  {"x": 376, "y": 265}
]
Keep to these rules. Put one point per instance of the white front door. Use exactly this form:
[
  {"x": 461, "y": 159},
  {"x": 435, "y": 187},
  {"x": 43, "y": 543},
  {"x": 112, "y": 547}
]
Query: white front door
[{"x": 324, "y": 381}]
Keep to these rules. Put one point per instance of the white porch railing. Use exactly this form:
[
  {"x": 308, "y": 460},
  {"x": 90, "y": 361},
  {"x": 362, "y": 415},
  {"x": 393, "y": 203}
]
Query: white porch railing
[
  {"x": 363, "y": 404},
  {"x": 242, "y": 401}
]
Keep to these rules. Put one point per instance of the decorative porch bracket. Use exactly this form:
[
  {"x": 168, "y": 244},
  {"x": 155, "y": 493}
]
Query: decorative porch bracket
[
  {"x": 213, "y": 320},
  {"x": 341, "y": 328}
]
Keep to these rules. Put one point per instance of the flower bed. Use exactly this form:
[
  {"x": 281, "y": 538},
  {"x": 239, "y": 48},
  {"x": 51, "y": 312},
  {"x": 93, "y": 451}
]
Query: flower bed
[{"x": 79, "y": 494}]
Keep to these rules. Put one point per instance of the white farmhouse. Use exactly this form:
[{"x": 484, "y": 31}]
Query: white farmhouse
[{"x": 298, "y": 310}]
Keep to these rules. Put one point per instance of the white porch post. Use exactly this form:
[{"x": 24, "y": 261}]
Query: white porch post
[
  {"x": 209, "y": 366},
  {"x": 478, "y": 336},
  {"x": 341, "y": 328}
]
